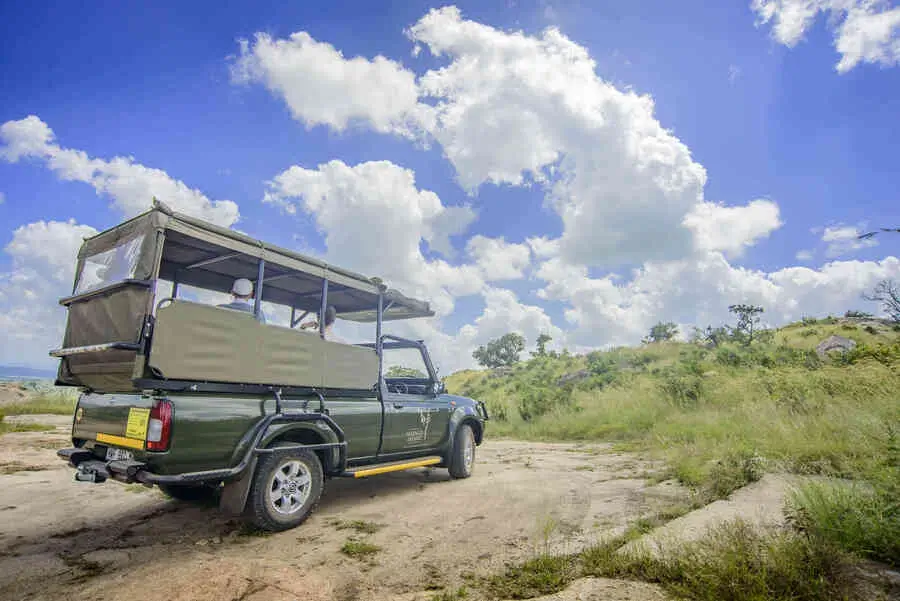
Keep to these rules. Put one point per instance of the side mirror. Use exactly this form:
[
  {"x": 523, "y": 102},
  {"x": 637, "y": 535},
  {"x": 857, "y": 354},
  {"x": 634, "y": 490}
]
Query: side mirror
[{"x": 439, "y": 387}]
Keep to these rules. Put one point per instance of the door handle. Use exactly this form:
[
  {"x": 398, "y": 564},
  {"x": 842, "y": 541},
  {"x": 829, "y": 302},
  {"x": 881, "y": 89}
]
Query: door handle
[{"x": 398, "y": 405}]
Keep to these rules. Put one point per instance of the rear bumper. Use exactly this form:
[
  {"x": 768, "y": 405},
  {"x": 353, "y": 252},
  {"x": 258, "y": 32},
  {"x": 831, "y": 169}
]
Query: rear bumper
[{"x": 90, "y": 469}]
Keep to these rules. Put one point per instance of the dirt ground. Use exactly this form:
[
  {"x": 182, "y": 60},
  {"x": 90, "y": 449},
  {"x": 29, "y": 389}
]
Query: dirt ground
[{"x": 60, "y": 539}]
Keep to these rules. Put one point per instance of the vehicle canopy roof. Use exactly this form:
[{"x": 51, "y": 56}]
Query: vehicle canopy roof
[{"x": 194, "y": 252}]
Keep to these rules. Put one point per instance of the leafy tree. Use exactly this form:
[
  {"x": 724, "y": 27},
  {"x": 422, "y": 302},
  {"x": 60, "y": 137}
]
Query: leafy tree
[
  {"x": 662, "y": 332},
  {"x": 748, "y": 321},
  {"x": 398, "y": 371},
  {"x": 887, "y": 292},
  {"x": 542, "y": 341},
  {"x": 711, "y": 336},
  {"x": 503, "y": 351}
]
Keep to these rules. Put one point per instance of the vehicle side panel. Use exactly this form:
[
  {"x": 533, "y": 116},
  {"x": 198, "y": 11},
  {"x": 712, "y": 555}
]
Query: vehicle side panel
[
  {"x": 359, "y": 418},
  {"x": 414, "y": 422}
]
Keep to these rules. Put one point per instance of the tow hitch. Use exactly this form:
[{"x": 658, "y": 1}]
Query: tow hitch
[
  {"x": 89, "y": 471},
  {"x": 84, "y": 474}
]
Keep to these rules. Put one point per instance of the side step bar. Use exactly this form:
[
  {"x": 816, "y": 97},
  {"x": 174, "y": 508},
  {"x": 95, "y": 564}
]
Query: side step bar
[{"x": 396, "y": 466}]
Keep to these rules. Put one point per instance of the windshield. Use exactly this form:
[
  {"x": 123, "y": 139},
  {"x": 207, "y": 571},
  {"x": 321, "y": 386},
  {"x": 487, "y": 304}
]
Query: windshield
[
  {"x": 114, "y": 265},
  {"x": 404, "y": 363}
]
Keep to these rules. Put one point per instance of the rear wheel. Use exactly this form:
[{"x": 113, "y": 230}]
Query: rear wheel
[
  {"x": 192, "y": 493},
  {"x": 286, "y": 488},
  {"x": 462, "y": 457}
]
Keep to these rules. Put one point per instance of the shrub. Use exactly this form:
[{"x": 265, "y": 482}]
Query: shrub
[
  {"x": 683, "y": 391},
  {"x": 535, "y": 402},
  {"x": 886, "y": 354}
]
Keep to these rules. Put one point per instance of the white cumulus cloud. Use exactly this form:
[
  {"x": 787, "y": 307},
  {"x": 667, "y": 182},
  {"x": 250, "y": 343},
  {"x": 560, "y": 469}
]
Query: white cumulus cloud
[
  {"x": 732, "y": 229},
  {"x": 843, "y": 240},
  {"x": 499, "y": 259},
  {"x": 130, "y": 185},
  {"x": 321, "y": 87},
  {"x": 865, "y": 31},
  {"x": 43, "y": 267}
]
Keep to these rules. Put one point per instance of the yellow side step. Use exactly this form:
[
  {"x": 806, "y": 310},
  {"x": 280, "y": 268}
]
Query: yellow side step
[{"x": 393, "y": 467}]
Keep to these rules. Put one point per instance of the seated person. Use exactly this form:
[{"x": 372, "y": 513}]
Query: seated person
[
  {"x": 330, "y": 316},
  {"x": 242, "y": 298}
]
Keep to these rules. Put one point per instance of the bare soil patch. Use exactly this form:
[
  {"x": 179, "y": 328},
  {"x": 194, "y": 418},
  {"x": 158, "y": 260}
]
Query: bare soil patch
[{"x": 60, "y": 539}]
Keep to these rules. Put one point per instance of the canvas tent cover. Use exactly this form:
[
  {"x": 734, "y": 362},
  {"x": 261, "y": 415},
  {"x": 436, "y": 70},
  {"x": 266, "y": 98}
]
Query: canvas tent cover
[
  {"x": 114, "y": 293},
  {"x": 201, "y": 254}
]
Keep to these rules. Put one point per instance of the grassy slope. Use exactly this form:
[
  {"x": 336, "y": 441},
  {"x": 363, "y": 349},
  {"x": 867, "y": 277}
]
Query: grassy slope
[{"x": 722, "y": 417}]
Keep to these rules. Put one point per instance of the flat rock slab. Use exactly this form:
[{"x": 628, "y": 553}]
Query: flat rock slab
[{"x": 760, "y": 504}]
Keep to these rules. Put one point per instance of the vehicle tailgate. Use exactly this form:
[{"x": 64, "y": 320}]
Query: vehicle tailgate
[{"x": 118, "y": 420}]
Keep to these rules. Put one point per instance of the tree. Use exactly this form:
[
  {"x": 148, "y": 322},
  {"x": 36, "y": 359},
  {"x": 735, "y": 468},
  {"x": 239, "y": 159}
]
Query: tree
[
  {"x": 542, "y": 341},
  {"x": 887, "y": 292},
  {"x": 503, "y": 351},
  {"x": 711, "y": 336},
  {"x": 398, "y": 371},
  {"x": 662, "y": 332},
  {"x": 748, "y": 321}
]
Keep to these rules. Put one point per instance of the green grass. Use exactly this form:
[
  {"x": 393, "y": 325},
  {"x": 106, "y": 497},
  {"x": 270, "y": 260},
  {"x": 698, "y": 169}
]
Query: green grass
[
  {"x": 732, "y": 562},
  {"x": 361, "y": 526},
  {"x": 47, "y": 403},
  {"x": 451, "y": 595},
  {"x": 359, "y": 549},
  {"x": 6, "y": 427},
  {"x": 865, "y": 520},
  {"x": 722, "y": 417}
]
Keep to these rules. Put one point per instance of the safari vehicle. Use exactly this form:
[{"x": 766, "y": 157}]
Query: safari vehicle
[{"x": 202, "y": 400}]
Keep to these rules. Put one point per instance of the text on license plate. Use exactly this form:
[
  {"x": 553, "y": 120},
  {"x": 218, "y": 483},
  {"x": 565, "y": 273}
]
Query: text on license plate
[{"x": 113, "y": 454}]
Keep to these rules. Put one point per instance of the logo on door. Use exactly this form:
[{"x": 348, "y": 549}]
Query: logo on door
[{"x": 420, "y": 435}]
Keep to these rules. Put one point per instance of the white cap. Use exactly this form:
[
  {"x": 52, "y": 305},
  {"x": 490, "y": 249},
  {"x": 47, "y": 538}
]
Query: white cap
[{"x": 242, "y": 287}]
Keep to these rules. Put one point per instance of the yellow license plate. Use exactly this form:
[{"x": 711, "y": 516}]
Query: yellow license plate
[{"x": 137, "y": 423}]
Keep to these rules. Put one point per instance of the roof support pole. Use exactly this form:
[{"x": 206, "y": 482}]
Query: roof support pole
[
  {"x": 378, "y": 330},
  {"x": 260, "y": 276},
  {"x": 323, "y": 307}
]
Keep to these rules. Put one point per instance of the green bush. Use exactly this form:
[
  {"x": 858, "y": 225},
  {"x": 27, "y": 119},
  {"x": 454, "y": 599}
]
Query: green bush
[
  {"x": 535, "y": 402},
  {"x": 684, "y": 391},
  {"x": 886, "y": 354}
]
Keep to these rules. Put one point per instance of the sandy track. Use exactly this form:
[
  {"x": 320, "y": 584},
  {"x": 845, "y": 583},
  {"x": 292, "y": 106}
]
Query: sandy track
[{"x": 60, "y": 539}]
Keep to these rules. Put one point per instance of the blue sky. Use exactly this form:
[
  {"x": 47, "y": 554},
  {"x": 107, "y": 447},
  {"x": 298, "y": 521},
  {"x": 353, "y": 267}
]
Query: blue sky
[{"x": 767, "y": 116}]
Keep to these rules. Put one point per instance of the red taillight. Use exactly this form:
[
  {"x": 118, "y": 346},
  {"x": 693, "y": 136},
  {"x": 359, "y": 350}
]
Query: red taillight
[{"x": 159, "y": 429}]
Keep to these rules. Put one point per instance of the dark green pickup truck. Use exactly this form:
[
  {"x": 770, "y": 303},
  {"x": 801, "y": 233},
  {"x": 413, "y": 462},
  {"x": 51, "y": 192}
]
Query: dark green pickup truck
[{"x": 206, "y": 400}]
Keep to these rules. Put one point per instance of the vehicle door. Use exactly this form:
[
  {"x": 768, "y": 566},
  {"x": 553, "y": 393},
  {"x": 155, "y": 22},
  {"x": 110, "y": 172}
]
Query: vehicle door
[{"x": 415, "y": 418}]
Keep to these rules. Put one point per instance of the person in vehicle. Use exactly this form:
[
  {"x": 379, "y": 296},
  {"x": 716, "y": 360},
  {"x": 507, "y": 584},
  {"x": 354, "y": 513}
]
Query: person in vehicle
[
  {"x": 330, "y": 316},
  {"x": 242, "y": 298}
]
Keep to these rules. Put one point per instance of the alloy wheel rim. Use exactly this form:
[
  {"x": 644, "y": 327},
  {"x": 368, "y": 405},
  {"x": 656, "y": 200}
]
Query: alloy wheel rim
[
  {"x": 469, "y": 452},
  {"x": 289, "y": 487}
]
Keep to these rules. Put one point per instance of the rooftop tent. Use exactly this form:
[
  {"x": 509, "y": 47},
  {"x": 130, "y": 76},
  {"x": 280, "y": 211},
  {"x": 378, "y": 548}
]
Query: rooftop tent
[{"x": 200, "y": 254}]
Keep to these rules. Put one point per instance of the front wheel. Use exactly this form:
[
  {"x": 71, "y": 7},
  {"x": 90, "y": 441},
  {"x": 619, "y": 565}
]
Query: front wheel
[
  {"x": 286, "y": 488},
  {"x": 462, "y": 456}
]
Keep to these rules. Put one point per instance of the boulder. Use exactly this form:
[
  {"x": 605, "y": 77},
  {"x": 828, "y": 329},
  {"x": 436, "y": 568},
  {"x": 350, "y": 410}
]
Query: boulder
[
  {"x": 834, "y": 343},
  {"x": 572, "y": 378}
]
